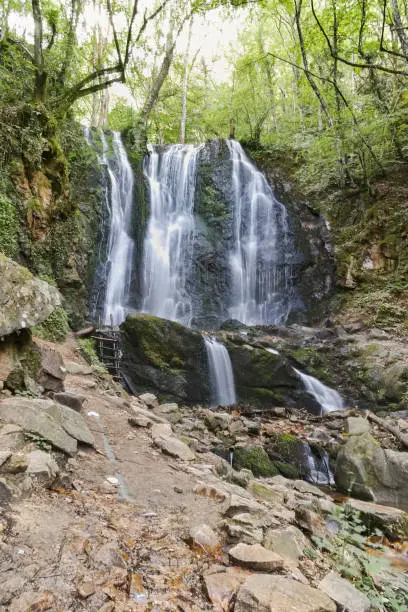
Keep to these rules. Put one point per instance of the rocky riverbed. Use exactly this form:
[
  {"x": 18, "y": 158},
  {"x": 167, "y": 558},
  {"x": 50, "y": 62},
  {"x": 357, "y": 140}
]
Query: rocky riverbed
[{"x": 111, "y": 502}]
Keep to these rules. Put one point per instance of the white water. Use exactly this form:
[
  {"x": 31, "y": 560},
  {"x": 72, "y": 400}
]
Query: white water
[
  {"x": 221, "y": 374},
  {"x": 170, "y": 233},
  {"x": 319, "y": 471},
  {"x": 121, "y": 244},
  {"x": 263, "y": 250},
  {"x": 328, "y": 399}
]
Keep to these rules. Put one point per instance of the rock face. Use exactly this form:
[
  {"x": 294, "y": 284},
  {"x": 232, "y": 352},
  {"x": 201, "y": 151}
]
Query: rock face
[
  {"x": 25, "y": 300},
  {"x": 366, "y": 470},
  {"x": 165, "y": 356},
  {"x": 214, "y": 217}
]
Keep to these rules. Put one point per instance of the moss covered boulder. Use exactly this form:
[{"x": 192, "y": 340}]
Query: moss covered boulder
[
  {"x": 254, "y": 458},
  {"x": 25, "y": 300},
  {"x": 165, "y": 356},
  {"x": 262, "y": 378},
  {"x": 364, "y": 469}
]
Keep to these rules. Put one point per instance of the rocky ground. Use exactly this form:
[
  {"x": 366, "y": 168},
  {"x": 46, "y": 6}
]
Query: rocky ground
[{"x": 120, "y": 503}]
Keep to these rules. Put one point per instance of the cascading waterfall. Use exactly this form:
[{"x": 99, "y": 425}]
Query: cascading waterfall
[
  {"x": 115, "y": 266},
  {"x": 168, "y": 248},
  {"x": 328, "y": 399},
  {"x": 221, "y": 374},
  {"x": 263, "y": 249},
  {"x": 319, "y": 471}
]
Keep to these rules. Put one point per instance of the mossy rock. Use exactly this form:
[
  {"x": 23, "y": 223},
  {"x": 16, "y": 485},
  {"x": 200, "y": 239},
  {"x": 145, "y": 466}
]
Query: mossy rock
[
  {"x": 54, "y": 328},
  {"x": 166, "y": 357},
  {"x": 256, "y": 459},
  {"x": 287, "y": 470}
]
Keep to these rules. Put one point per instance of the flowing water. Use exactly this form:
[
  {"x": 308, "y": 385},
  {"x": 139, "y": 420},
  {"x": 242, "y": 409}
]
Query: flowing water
[
  {"x": 328, "y": 399},
  {"x": 319, "y": 471},
  {"x": 116, "y": 264},
  {"x": 168, "y": 248},
  {"x": 221, "y": 374},
  {"x": 263, "y": 252},
  {"x": 121, "y": 244}
]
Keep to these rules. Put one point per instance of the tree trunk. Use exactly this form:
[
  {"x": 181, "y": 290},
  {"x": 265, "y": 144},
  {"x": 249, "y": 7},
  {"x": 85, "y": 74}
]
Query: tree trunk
[
  {"x": 40, "y": 74},
  {"x": 185, "y": 86},
  {"x": 402, "y": 37},
  {"x": 158, "y": 82}
]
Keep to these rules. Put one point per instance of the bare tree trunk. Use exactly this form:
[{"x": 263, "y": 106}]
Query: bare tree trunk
[
  {"x": 163, "y": 72},
  {"x": 232, "y": 129},
  {"x": 402, "y": 37},
  {"x": 40, "y": 74},
  {"x": 185, "y": 86}
]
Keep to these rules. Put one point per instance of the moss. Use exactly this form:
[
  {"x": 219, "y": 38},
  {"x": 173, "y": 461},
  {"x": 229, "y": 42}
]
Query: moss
[
  {"x": 8, "y": 227},
  {"x": 54, "y": 328},
  {"x": 88, "y": 351},
  {"x": 261, "y": 395},
  {"x": 287, "y": 470},
  {"x": 262, "y": 492},
  {"x": 256, "y": 459}
]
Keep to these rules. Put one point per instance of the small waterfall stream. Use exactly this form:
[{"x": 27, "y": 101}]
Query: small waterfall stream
[
  {"x": 329, "y": 399},
  {"x": 221, "y": 374},
  {"x": 263, "y": 248},
  {"x": 169, "y": 240}
]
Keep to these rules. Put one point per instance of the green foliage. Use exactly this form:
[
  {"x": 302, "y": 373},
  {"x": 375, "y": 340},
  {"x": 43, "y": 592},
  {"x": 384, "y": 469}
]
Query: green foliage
[
  {"x": 55, "y": 327},
  {"x": 88, "y": 351},
  {"x": 352, "y": 552},
  {"x": 8, "y": 227},
  {"x": 39, "y": 441}
]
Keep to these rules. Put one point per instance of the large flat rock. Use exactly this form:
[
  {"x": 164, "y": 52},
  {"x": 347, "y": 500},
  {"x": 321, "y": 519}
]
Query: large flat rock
[
  {"x": 57, "y": 424},
  {"x": 266, "y": 593}
]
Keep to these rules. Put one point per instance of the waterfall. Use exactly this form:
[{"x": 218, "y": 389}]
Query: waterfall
[
  {"x": 221, "y": 374},
  {"x": 263, "y": 248},
  {"x": 168, "y": 248},
  {"x": 121, "y": 244},
  {"x": 115, "y": 256},
  {"x": 328, "y": 399}
]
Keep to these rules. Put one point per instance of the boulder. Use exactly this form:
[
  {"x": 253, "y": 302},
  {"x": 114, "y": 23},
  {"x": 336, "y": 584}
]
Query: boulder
[
  {"x": 165, "y": 356},
  {"x": 238, "y": 505},
  {"x": 393, "y": 522},
  {"x": 70, "y": 399},
  {"x": 356, "y": 426},
  {"x": 289, "y": 542},
  {"x": 346, "y": 596},
  {"x": 244, "y": 528},
  {"x": 364, "y": 469},
  {"x": 150, "y": 400},
  {"x": 204, "y": 538},
  {"x": 57, "y": 424},
  {"x": 266, "y": 593},
  {"x": 25, "y": 300},
  {"x": 254, "y": 458},
  {"x": 174, "y": 447},
  {"x": 221, "y": 588},
  {"x": 255, "y": 557},
  {"x": 42, "y": 466},
  {"x": 262, "y": 378}
]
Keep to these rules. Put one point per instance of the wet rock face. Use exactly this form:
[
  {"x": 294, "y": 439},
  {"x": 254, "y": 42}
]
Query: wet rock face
[
  {"x": 166, "y": 356},
  {"x": 313, "y": 270},
  {"x": 25, "y": 300}
]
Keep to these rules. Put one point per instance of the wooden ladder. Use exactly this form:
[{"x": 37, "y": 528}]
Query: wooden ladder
[{"x": 108, "y": 349}]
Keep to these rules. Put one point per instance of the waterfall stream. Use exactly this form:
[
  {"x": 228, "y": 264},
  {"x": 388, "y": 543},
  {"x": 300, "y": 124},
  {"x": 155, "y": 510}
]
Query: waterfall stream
[
  {"x": 169, "y": 240},
  {"x": 121, "y": 244},
  {"x": 263, "y": 249},
  {"x": 116, "y": 264},
  {"x": 221, "y": 374},
  {"x": 328, "y": 399}
]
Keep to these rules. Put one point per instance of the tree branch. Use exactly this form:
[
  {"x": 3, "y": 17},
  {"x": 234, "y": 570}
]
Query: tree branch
[{"x": 349, "y": 62}]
